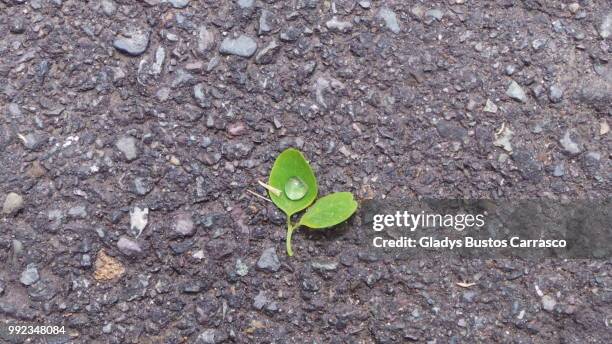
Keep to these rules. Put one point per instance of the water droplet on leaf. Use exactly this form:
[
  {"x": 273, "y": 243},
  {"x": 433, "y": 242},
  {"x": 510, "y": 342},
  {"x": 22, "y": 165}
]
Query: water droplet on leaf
[{"x": 295, "y": 188}]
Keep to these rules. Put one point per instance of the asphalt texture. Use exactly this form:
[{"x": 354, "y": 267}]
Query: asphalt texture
[{"x": 130, "y": 132}]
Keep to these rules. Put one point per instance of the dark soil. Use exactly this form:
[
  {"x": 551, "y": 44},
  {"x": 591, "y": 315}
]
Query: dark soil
[{"x": 110, "y": 108}]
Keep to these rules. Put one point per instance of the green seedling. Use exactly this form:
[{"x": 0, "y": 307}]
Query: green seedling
[{"x": 292, "y": 186}]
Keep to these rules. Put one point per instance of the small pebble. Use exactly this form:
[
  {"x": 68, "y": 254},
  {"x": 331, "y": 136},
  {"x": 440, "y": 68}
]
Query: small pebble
[
  {"x": 127, "y": 146},
  {"x": 570, "y": 142},
  {"x": 133, "y": 42},
  {"x": 269, "y": 260},
  {"x": 515, "y": 91},
  {"x": 183, "y": 224},
  {"x": 559, "y": 170},
  {"x": 17, "y": 24},
  {"x": 205, "y": 40},
  {"x": 175, "y": 161},
  {"x": 555, "y": 93},
  {"x": 30, "y": 275},
  {"x": 129, "y": 247},
  {"x": 503, "y": 139},
  {"x": 434, "y": 13},
  {"x": 260, "y": 300},
  {"x": 365, "y": 4},
  {"x": 138, "y": 220},
  {"x": 390, "y": 19},
  {"x": 490, "y": 107},
  {"x": 605, "y": 29},
  {"x": 244, "y": 46},
  {"x": 574, "y": 7},
  {"x": 548, "y": 303},
  {"x": 177, "y": 3},
  {"x": 79, "y": 211},
  {"x": 324, "y": 265},
  {"x": 267, "y": 54},
  {"x": 336, "y": 25},
  {"x": 241, "y": 268},
  {"x": 538, "y": 44},
  {"x": 109, "y": 7},
  {"x": 604, "y": 127},
  {"x": 236, "y": 129},
  {"x": 12, "y": 203},
  {"x": 246, "y": 3},
  {"x": 265, "y": 22}
]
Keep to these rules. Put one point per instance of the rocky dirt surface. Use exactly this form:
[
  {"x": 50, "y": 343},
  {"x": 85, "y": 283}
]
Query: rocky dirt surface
[{"x": 130, "y": 132}]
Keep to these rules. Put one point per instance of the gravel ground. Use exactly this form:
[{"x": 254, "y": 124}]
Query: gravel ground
[{"x": 131, "y": 130}]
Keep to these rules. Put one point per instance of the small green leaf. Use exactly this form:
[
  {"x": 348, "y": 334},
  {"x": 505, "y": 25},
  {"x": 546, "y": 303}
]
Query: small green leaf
[
  {"x": 291, "y": 164},
  {"x": 330, "y": 210}
]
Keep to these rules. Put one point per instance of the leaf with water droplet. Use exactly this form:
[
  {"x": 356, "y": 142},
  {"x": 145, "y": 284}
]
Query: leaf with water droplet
[
  {"x": 290, "y": 164},
  {"x": 295, "y": 189},
  {"x": 292, "y": 174}
]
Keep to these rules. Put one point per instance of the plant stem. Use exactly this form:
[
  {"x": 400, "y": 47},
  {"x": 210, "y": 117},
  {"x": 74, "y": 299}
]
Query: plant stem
[{"x": 289, "y": 232}]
